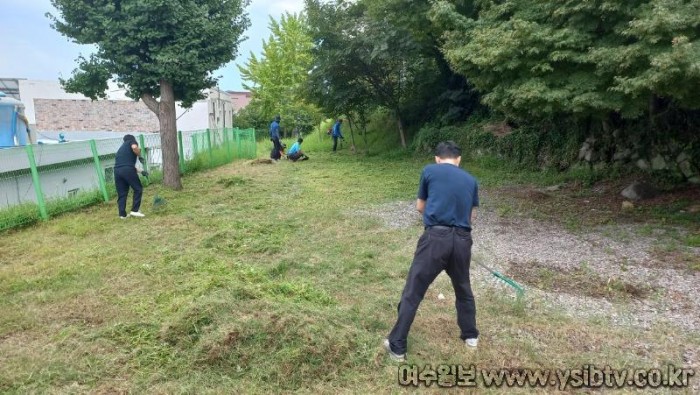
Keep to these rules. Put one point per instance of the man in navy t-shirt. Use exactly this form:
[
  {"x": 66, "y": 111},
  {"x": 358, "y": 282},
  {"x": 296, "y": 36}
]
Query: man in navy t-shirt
[
  {"x": 126, "y": 175},
  {"x": 447, "y": 198}
]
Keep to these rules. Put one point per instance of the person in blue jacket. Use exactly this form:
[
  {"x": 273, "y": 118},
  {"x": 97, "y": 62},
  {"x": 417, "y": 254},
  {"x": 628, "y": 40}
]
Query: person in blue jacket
[
  {"x": 295, "y": 153},
  {"x": 337, "y": 133},
  {"x": 275, "y": 154}
]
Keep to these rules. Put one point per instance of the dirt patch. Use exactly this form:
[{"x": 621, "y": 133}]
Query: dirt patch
[
  {"x": 533, "y": 195},
  {"x": 580, "y": 281},
  {"x": 677, "y": 259},
  {"x": 232, "y": 338},
  {"x": 262, "y": 161},
  {"x": 228, "y": 182},
  {"x": 602, "y": 203}
]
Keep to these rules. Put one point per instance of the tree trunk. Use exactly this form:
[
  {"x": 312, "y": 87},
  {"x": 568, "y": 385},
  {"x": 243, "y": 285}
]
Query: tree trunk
[
  {"x": 168, "y": 136},
  {"x": 352, "y": 133},
  {"x": 401, "y": 133},
  {"x": 363, "y": 124}
]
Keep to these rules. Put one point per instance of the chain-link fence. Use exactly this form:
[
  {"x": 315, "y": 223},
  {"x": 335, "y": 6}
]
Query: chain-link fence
[{"x": 43, "y": 180}]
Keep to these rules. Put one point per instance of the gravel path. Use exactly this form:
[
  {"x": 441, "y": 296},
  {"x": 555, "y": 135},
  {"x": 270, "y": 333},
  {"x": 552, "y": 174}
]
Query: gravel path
[{"x": 613, "y": 253}]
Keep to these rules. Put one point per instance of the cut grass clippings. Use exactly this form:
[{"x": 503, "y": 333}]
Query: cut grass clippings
[{"x": 262, "y": 279}]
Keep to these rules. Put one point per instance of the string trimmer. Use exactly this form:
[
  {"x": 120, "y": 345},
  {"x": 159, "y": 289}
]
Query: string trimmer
[{"x": 158, "y": 201}]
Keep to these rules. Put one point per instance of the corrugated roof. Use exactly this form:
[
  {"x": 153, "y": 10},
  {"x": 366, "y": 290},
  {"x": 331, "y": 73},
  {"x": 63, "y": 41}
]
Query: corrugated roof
[{"x": 10, "y": 86}]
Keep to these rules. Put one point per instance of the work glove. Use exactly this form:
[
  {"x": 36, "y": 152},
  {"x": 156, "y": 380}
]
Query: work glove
[
  {"x": 144, "y": 173},
  {"x": 141, "y": 160}
]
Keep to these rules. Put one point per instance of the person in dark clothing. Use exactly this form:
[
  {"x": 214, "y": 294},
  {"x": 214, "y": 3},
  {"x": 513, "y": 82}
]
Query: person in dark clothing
[
  {"x": 126, "y": 175},
  {"x": 275, "y": 154},
  {"x": 447, "y": 198},
  {"x": 337, "y": 133}
]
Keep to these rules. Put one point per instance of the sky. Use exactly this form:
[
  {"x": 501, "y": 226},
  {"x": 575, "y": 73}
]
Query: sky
[{"x": 30, "y": 48}]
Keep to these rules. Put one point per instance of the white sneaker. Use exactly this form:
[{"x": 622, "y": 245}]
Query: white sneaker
[
  {"x": 137, "y": 214},
  {"x": 120, "y": 217},
  {"x": 394, "y": 356},
  {"x": 471, "y": 342}
]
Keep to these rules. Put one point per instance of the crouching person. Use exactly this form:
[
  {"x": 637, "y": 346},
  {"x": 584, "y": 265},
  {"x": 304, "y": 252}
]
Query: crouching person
[{"x": 295, "y": 153}]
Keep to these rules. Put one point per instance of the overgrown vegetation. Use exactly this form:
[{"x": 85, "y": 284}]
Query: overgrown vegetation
[{"x": 541, "y": 84}]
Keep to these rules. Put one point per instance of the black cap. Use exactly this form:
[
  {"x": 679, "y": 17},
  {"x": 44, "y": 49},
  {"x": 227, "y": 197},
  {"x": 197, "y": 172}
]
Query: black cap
[{"x": 129, "y": 137}]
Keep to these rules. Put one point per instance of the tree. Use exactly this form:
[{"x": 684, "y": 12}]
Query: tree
[
  {"x": 155, "y": 49},
  {"x": 332, "y": 84},
  {"x": 277, "y": 77},
  {"x": 623, "y": 72},
  {"x": 443, "y": 95},
  {"x": 543, "y": 58},
  {"x": 363, "y": 52}
]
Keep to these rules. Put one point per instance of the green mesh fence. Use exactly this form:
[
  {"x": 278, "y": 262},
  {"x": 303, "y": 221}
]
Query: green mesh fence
[
  {"x": 44, "y": 180},
  {"x": 214, "y": 147}
]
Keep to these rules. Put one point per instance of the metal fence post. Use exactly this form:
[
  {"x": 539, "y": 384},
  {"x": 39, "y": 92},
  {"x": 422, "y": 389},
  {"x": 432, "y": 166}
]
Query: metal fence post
[
  {"x": 182, "y": 150},
  {"x": 99, "y": 171},
  {"x": 253, "y": 144},
  {"x": 238, "y": 144},
  {"x": 144, "y": 152},
  {"x": 227, "y": 143},
  {"x": 37, "y": 185},
  {"x": 211, "y": 156}
]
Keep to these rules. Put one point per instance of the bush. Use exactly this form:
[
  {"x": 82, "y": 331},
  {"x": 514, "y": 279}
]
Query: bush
[
  {"x": 472, "y": 137},
  {"x": 429, "y": 136},
  {"x": 525, "y": 146}
]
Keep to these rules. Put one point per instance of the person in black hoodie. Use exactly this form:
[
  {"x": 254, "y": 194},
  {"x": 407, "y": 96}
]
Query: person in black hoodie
[{"x": 126, "y": 175}]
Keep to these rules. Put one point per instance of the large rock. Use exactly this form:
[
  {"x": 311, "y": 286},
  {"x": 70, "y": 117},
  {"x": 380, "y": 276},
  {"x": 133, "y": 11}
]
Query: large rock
[
  {"x": 642, "y": 164},
  {"x": 639, "y": 191},
  {"x": 682, "y": 157},
  {"x": 585, "y": 151},
  {"x": 622, "y": 155},
  {"x": 658, "y": 163},
  {"x": 686, "y": 169}
]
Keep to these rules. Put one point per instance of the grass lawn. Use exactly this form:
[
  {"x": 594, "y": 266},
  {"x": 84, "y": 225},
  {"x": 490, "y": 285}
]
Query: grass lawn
[{"x": 264, "y": 278}]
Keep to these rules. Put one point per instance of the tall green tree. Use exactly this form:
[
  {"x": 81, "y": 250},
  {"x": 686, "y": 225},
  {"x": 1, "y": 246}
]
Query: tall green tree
[
  {"x": 591, "y": 58},
  {"x": 360, "y": 54},
  {"x": 333, "y": 84},
  {"x": 160, "y": 51},
  {"x": 443, "y": 96},
  {"x": 278, "y": 76}
]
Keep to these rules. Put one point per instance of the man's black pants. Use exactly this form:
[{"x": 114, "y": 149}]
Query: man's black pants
[
  {"x": 439, "y": 248},
  {"x": 296, "y": 156},
  {"x": 125, "y": 177},
  {"x": 335, "y": 143},
  {"x": 276, "y": 148}
]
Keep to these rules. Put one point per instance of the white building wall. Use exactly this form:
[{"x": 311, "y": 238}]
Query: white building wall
[{"x": 195, "y": 118}]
